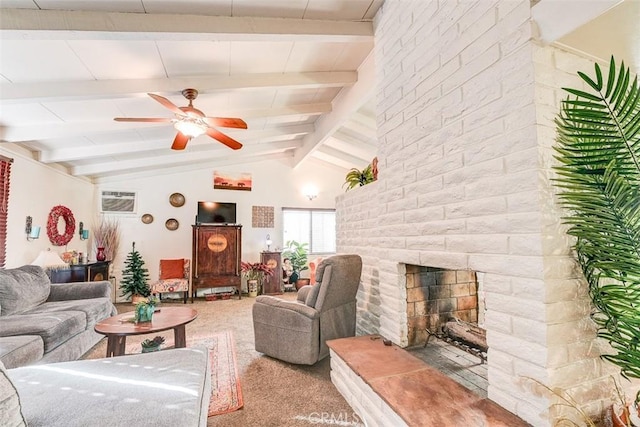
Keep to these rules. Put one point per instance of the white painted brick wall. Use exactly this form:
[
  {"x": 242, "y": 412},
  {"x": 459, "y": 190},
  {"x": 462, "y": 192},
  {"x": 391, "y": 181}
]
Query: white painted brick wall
[{"x": 465, "y": 110}]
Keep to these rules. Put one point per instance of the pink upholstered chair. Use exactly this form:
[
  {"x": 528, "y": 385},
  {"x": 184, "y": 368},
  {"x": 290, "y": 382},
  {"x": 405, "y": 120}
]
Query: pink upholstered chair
[
  {"x": 175, "y": 276},
  {"x": 312, "y": 270}
]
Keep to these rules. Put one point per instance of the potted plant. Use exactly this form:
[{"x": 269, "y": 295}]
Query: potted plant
[
  {"x": 598, "y": 177},
  {"x": 297, "y": 254},
  {"x": 254, "y": 273},
  {"x": 135, "y": 277},
  {"x": 145, "y": 309},
  {"x": 356, "y": 177},
  {"x": 149, "y": 345}
]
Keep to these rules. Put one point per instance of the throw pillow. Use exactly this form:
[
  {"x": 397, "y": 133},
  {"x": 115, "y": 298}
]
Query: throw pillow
[
  {"x": 171, "y": 269},
  {"x": 23, "y": 288},
  {"x": 10, "y": 411}
]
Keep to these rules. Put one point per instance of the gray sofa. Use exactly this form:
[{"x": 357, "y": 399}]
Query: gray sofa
[
  {"x": 165, "y": 388},
  {"x": 297, "y": 331},
  {"x": 42, "y": 322}
]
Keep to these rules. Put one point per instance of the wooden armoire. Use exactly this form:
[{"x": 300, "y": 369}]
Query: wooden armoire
[{"x": 216, "y": 257}]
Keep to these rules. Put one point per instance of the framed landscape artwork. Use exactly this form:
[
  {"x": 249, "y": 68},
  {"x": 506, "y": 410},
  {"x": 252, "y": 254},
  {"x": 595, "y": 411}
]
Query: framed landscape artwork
[{"x": 231, "y": 181}]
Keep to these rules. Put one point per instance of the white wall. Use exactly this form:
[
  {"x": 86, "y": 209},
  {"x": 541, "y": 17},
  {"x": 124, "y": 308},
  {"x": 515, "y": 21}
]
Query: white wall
[
  {"x": 275, "y": 184},
  {"x": 35, "y": 189}
]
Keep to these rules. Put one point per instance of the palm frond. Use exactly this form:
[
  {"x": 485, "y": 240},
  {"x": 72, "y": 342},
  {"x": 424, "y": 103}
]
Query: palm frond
[{"x": 598, "y": 174}]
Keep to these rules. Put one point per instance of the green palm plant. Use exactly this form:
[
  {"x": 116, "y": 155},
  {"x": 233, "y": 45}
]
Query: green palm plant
[
  {"x": 356, "y": 177},
  {"x": 598, "y": 177}
]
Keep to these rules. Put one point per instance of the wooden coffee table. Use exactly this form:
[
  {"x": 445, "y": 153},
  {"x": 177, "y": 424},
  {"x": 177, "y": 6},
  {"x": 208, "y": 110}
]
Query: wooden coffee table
[{"x": 119, "y": 327}]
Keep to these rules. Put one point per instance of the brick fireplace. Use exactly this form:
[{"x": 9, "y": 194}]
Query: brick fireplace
[
  {"x": 436, "y": 296},
  {"x": 465, "y": 107}
]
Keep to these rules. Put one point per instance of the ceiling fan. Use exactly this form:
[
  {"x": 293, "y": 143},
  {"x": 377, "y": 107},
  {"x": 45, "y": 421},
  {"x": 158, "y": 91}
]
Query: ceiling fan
[{"x": 191, "y": 122}]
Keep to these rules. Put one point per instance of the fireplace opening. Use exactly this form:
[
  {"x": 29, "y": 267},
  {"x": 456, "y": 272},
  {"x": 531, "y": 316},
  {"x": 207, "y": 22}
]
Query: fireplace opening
[
  {"x": 445, "y": 314},
  {"x": 464, "y": 335}
]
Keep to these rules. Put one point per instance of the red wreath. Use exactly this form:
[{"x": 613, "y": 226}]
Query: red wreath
[{"x": 56, "y": 238}]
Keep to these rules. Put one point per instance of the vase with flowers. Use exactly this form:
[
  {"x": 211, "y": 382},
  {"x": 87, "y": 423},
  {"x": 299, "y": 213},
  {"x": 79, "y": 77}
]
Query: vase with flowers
[{"x": 255, "y": 273}]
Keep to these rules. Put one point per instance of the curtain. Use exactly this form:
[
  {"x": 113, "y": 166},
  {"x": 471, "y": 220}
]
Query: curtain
[{"x": 5, "y": 172}]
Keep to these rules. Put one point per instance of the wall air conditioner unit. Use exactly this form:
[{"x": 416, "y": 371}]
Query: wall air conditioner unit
[{"x": 118, "y": 202}]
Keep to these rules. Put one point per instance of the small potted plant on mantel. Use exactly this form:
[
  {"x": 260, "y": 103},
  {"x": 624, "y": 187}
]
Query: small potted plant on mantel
[{"x": 254, "y": 273}]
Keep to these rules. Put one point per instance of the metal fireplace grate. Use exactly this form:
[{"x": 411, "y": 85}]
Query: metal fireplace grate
[{"x": 463, "y": 335}]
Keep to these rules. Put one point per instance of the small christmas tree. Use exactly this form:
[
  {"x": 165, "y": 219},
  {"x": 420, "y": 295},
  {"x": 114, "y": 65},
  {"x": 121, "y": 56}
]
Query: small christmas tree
[{"x": 134, "y": 275}]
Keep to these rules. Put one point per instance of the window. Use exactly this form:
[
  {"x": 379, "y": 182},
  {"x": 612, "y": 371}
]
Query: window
[
  {"x": 5, "y": 172},
  {"x": 317, "y": 227}
]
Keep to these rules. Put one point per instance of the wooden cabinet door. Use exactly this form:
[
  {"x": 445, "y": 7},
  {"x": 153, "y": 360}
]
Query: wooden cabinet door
[
  {"x": 272, "y": 284},
  {"x": 217, "y": 251}
]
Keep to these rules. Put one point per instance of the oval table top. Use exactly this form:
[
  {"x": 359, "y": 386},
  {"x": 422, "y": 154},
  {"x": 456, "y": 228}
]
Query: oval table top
[{"x": 163, "y": 319}]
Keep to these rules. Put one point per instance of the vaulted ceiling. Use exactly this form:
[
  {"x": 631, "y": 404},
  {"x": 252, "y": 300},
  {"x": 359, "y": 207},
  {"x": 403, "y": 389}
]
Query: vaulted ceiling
[{"x": 300, "y": 73}]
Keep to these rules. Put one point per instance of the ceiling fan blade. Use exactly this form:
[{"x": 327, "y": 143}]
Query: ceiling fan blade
[
  {"x": 142, "y": 119},
  {"x": 180, "y": 142},
  {"x": 225, "y": 139},
  {"x": 166, "y": 103},
  {"x": 225, "y": 122}
]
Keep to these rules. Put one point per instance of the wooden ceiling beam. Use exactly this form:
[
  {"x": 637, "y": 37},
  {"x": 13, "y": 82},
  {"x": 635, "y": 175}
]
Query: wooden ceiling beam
[
  {"x": 26, "y": 24},
  {"x": 185, "y": 157},
  {"x": 130, "y": 147},
  {"x": 348, "y": 101},
  {"x": 16, "y": 93}
]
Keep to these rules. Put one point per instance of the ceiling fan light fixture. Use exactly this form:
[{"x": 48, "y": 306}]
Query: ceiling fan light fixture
[
  {"x": 190, "y": 128},
  {"x": 191, "y": 122}
]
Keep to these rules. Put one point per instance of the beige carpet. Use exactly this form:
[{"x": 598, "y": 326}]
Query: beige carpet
[{"x": 275, "y": 393}]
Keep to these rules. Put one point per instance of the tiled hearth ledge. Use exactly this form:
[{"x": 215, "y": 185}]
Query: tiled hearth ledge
[{"x": 387, "y": 386}]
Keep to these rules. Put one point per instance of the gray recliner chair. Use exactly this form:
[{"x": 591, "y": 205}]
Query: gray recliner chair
[{"x": 296, "y": 331}]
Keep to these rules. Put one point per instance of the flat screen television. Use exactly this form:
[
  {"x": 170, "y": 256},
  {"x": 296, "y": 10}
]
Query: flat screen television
[{"x": 216, "y": 213}]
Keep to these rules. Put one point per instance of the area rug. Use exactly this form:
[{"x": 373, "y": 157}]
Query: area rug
[{"x": 226, "y": 393}]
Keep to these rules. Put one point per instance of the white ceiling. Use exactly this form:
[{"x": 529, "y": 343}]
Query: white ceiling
[
  {"x": 614, "y": 32},
  {"x": 299, "y": 72},
  {"x": 595, "y": 28}
]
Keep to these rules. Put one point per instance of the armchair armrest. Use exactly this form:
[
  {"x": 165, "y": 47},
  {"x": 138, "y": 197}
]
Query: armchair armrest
[
  {"x": 303, "y": 292},
  {"x": 79, "y": 290}
]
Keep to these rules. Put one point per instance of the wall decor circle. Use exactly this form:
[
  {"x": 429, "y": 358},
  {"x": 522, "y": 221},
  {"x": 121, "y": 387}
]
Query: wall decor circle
[
  {"x": 147, "y": 218},
  {"x": 54, "y": 235},
  {"x": 176, "y": 200},
  {"x": 217, "y": 243},
  {"x": 172, "y": 224}
]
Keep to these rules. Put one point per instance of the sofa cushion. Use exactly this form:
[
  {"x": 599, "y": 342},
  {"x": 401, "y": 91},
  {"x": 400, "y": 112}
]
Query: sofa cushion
[
  {"x": 22, "y": 289},
  {"x": 20, "y": 350},
  {"x": 55, "y": 328},
  {"x": 165, "y": 388},
  {"x": 10, "y": 411},
  {"x": 95, "y": 309}
]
